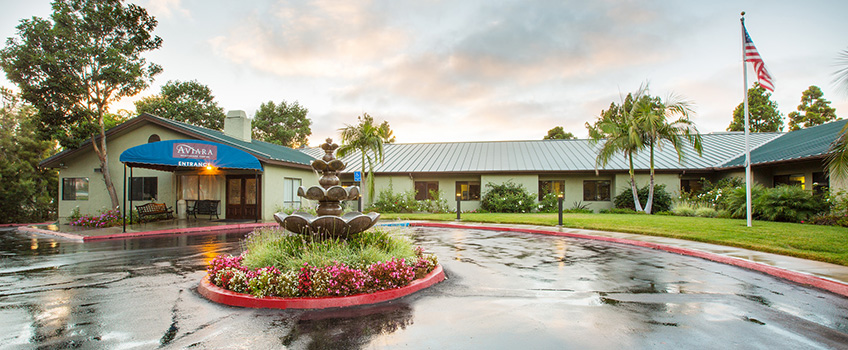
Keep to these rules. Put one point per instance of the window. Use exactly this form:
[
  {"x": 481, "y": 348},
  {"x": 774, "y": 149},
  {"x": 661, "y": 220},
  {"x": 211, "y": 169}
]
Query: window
[
  {"x": 153, "y": 138},
  {"x": 596, "y": 190},
  {"x": 469, "y": 190},
  {"x": 820, "y": 183},
  {"x": 556, "y": 187},
  {"x": 290, "y": 186},
  {"x": 791, "y": 180},
  {"x": 194, "y": 187},
  {"x": 144, "y": 188},
  {"x": 75, "y": 189},
  {"x": 690, "y": 186},
  {"x": 423, "y": 188}
]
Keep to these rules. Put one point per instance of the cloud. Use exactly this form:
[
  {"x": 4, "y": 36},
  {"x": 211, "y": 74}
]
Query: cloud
[
  {"x": 319, "y": 39},
  {"x": 167, "y": 8}
]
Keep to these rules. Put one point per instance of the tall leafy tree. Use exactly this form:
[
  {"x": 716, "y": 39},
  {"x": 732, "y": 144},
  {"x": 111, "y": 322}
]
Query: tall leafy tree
[
  {"x": 813, "y": 110},
  {"x": 618, "y": 128},
  {"x": 366, "y": 137},
  {"x": 666, "y": 120},
  {"x": 74, "y": 65},
  {"x": 28, "y": 193},
  {"x": 186, "y": 101},
  {"x": 558, "y": 133},
  {"x": 763, "y": 115},
  {"x": 284, "y": 124}
]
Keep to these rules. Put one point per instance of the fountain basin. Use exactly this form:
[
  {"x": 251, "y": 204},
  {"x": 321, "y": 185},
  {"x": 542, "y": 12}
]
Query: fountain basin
[{"x": 327, "y": 225}]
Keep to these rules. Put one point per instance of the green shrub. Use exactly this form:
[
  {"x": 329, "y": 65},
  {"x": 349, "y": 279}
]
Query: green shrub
[
  {"x": 706, "y": 212},
  {"x": 662, "y": 200},
  {"x": 436, "y": 205},
  {"x": 683, "y": 209},
  {"x": 405, "y": 202},
  {"x": 735, "y": 204},
  {"x": 548, "y": 204},
  {"x": 507, "y": 198},
  {"x": 787, "y": 203},
  {"x": 619, "y": 211}
]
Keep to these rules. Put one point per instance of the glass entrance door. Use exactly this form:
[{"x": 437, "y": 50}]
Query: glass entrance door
[{"x": 243, "y": 197}]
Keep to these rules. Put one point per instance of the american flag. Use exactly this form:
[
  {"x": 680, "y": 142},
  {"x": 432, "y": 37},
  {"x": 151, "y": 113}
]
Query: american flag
[{"x": 751, "y": 55}]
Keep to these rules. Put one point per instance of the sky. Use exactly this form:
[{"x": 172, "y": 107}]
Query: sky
[{"x": 484, "y": 70}]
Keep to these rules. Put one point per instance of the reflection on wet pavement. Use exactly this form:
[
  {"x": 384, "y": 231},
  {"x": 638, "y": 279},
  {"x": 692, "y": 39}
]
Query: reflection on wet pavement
[{"x": 504, "y": 290}]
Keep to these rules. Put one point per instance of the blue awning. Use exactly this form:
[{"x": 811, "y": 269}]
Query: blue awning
[{"x": 172, "y": 155}]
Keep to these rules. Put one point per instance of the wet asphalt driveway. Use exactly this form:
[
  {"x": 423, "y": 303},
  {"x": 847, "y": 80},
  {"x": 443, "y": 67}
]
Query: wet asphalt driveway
[{"x": 505, "y": 291}]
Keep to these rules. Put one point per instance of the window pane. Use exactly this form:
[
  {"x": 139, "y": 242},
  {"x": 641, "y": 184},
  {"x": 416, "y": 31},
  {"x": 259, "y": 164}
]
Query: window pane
[
  {"x": 420, "y": 190},
  {"x": 604, "y": 190},
  {"x": 68, "y": 189},
  {"x": 82, "y": 189},
  {"x": 136, "y": 188},
  {"x": 188, "y": 184},
  {"x": 209, "y": 187},
  {"x": 250, "y": 191},
  {"x": 234, "y": 194},
  {"x": 151, "y": 187}
]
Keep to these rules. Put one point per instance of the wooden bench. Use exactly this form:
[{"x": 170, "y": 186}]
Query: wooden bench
[
  {"x": 154, "y": 209},
  {"x": 204, "y": 207}
]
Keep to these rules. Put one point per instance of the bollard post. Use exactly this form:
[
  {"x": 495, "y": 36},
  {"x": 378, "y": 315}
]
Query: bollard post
[{"x": 559, "y": 200}]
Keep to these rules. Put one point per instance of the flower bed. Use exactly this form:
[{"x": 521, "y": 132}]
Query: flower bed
[{"x": 334, "y": 280}]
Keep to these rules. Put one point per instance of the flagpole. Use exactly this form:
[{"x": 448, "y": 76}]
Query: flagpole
[{"x": 747, "y": 128}]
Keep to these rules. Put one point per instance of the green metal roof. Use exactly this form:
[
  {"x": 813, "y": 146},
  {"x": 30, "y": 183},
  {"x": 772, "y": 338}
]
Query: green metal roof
[
  {"x": 258, "y": 148},
  {"x": 805, "y": 143},
  {"x": 264, "y": 151},
  {"x": 543, "y": 156}
]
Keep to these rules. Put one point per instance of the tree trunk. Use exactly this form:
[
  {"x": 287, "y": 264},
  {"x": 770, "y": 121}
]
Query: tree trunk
[
  {"x": 635, "y": 190},
  {"x": 649, "y": 205},
  {"x": 103, "y": 156}
]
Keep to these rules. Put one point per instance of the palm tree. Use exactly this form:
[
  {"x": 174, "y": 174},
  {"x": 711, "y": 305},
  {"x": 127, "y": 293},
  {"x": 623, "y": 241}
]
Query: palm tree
[
  {"x": 836, "y": 161},
  {"x": 365, "y": 137},
  {"x": 653, "y": 120},
  {"x": 618, "y": 127}
]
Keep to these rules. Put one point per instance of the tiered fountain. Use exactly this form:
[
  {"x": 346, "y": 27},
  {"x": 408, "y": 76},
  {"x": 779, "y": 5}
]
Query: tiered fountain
[{"x": 329, "y": 223}]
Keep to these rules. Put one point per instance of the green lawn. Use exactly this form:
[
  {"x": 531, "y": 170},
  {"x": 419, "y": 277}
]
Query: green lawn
[{"x": 823, "y": 243}]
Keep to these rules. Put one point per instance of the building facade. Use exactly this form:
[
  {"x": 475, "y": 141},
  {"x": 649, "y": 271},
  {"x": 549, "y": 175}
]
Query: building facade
[{"x": 452, "y": 169}]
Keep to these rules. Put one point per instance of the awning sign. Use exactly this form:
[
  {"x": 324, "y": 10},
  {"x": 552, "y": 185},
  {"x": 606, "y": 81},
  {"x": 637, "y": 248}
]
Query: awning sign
[{"x": 195, "y": 151}]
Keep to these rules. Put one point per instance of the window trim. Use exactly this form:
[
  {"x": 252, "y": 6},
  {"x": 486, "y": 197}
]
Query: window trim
[
  {"x": 468, "y": 195},
  {"x": 144, "y": 184},
  {"x": 542, "y": 193},
  {"x": 295, "y": 202},
  {"x": 75, "y": 195},
  {"x": 427, "y": 184},
  {"x": 597, "y": 186}
]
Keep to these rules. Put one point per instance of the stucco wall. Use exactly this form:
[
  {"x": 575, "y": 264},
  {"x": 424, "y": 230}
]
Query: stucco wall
[
  {"x": 85, "y": 163},
  {"x": 273, "y": 190}
]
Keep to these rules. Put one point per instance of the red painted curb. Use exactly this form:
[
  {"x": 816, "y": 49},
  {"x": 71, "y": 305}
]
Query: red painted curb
[
  {"x": 168, "y": 232},
  {"x": 794, "y": 276},
  {"x": 223, "y": 296}
]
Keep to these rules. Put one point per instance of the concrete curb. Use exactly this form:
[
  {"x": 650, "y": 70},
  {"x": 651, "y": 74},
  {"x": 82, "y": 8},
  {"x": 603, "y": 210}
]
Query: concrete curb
[
  {"x": 52, "y": 233},
  {"x": 794, "y": 276},
  {"x": 223, "y": 296}
]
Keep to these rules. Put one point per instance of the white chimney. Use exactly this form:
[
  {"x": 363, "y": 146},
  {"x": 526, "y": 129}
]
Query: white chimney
[{"x": 237, "y": 125}]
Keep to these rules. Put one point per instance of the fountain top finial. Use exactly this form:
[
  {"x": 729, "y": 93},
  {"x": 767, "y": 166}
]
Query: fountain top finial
[{"x": 329, "y": 147}]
